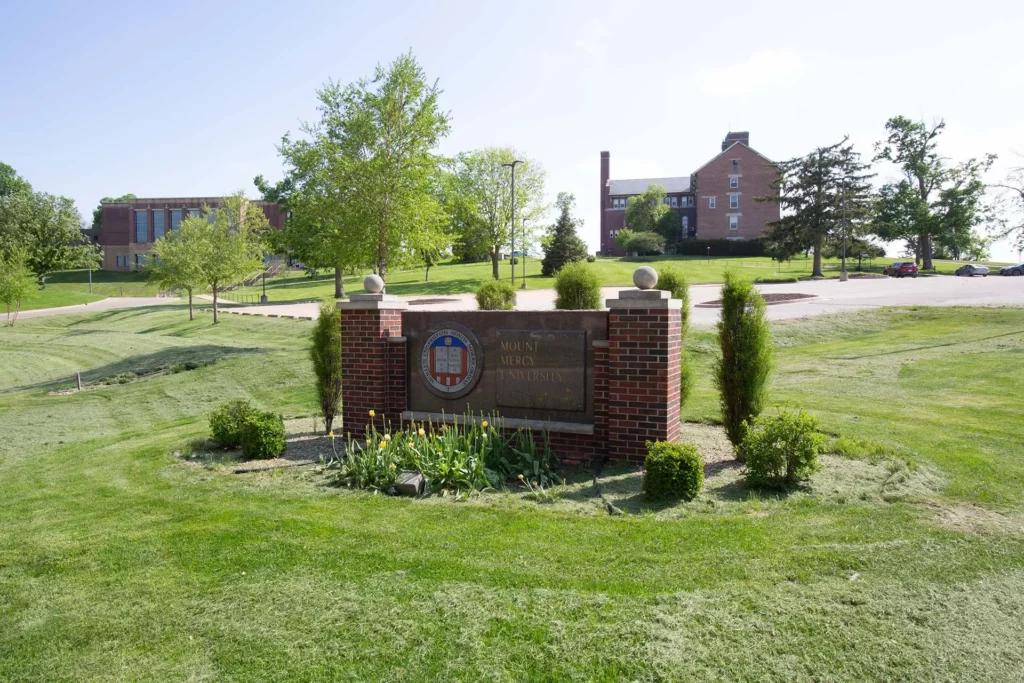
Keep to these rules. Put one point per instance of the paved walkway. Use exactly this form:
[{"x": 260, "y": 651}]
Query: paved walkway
[
  {"x": 107, "y": 304},
  {"x": 829, "y": 296}
]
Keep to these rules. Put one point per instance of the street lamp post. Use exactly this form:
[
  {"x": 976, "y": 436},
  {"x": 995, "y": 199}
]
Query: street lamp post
[
  {"x": 523, "y": 286},
  {"x": 512, "y": 217}
]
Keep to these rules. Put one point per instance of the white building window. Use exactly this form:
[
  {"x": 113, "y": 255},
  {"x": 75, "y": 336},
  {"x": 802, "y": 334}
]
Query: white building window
[
  {"x": 734, "y": 201},
  {"x": 675, "y": 200},
  {"x": 734, "y": 181},
  {"x": 734, "y": 222},
  {"x": 686, "y": 224},
  {"x": 711, "y": 202}
]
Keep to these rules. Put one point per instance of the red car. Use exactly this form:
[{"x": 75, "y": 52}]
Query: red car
[{"x": 902, "y": 269}]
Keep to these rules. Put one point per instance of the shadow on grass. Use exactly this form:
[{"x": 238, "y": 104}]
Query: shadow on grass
[{"x": 165, "y": 361}]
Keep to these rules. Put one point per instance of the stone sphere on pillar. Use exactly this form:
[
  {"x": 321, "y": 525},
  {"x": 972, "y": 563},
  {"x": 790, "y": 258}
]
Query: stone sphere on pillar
[
  {"x": 645, "y": 277},
  {"x": 373, "y": 284}
]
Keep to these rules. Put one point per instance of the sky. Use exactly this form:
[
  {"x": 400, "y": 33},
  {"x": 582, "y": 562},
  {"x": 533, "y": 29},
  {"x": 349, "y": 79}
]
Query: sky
[{"x": 192, "y": 98}]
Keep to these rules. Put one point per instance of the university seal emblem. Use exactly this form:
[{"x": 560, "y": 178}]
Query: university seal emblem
[{"x": 450, "y": 361}]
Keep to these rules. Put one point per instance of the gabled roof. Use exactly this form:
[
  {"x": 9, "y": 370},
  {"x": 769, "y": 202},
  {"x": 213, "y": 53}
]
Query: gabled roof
[
  {"x": 726, "y": 151},
  {"x": 633, "y": 186}
]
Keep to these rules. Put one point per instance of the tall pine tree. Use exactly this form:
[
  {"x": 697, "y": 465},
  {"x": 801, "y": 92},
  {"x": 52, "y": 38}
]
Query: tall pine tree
[
  {"x": 812, "y": 191},
  {"x": 565, "y": 245}
]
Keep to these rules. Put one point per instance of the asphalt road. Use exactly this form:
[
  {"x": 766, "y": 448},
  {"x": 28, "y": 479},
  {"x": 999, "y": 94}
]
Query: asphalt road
[{"x": 830, "y": 296}]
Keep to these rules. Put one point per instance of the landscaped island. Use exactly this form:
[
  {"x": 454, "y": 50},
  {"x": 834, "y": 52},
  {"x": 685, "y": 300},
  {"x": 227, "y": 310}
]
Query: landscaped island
[{"x": 120, "y": 559}]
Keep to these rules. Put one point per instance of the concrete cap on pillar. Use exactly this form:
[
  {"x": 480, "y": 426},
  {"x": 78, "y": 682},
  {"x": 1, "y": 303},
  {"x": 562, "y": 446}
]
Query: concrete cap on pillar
[{"x": 645, "y": 277}]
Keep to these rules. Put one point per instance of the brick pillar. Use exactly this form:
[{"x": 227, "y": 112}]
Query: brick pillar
[
  {"x": 397, "y": 378},
  {"x": 368, "y": 321},
  {"x": 645, "y": 335}
]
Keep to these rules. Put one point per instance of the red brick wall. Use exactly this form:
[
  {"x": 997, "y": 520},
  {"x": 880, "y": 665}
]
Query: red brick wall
[
  {"x": 756, "y": 175},
  {"x": 636, "y": 381},
  {"x": 643, "y": 379}
]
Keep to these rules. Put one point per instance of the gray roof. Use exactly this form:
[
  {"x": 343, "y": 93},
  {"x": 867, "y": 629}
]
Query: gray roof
[{"x": 637, "y": 185}]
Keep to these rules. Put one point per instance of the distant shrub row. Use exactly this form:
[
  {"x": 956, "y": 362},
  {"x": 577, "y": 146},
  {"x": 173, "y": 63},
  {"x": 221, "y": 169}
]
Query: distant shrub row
[{"x": 721, "y": 248}]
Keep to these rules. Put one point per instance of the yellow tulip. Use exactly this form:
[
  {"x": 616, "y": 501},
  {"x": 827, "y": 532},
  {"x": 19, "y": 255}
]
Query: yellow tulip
[
  {"x": 411, "y": 444},
  {"x": 421, "y": 433},
  {"x": 331, "y": 434},
  {"x": 373, "y": 414},
  {"x": 484, "y": 424}
]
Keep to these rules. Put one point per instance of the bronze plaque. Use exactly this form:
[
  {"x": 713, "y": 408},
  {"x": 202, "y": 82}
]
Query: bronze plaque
[{"x": 542, "y": 369}]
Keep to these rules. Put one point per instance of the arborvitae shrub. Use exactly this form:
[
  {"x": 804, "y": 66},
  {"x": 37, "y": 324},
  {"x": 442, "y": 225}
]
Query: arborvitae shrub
[
  {"x": 263, "y": 436},
  {"x": 496, "y": 295},
  {"x": 577, "y": 287},
  {"x": 672, "y": 471},
  {"x": 782, "y": 449},
  {"x": 326, "y": 355},
  {"x": 227, "y": 421},
  {"x": 671, "y": 280},
  {"x": 743, "y": 371}
]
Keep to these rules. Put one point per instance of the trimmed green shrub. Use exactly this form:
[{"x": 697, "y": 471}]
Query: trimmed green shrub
[
  {"x": 782, "y": 449},
  {"x": 721, "y": 247},
  {"x": 496, "y": 295},
  {"x": 227, "y": 421},
  {"x": 577, "y": 287},
  {"x": 670, "y": 279},
  {"x": 672, "y": 471},
  {"x": 646, "y": 244},
  {"x": 263, "y": 436},
  {"x": 326, "y": 356},
  {"x": 743, "y": 371},
  {"x": 591, "y": 258}
]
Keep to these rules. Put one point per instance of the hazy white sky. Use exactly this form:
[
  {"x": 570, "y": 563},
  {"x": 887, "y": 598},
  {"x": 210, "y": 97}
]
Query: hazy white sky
[{"x": 191, "y": 98}]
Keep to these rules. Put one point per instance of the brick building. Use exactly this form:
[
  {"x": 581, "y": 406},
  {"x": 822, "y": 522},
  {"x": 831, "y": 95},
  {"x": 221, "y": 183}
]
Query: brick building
[
  {"x": 129, "y": 229},
  {"x": 714, "y": 202}
]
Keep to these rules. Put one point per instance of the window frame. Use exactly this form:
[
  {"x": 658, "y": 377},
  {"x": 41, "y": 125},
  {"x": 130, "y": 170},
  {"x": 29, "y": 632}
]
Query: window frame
[
  {"x": 163, "y": 219},
  {"x": 734, "y": 221},
  {"x": 712, "y": 203},
  {"x": 734, "y": 200},
  {"x": 145, "y": 225},
  {"x": 734, "y": 182}
]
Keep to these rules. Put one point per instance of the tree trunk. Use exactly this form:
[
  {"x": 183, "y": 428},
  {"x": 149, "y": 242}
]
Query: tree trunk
[
  {"x": 328, "y": 423},
  {"x": 191, "y": 315},
  {"x": 926, "y": 251},
  {"x": 215, "y": 304},
  {"x": 339, "y": 284},
  {"x": 816, "y": 271},
  {"x": 426, "y": 276},
  {"x": 494, "y": 264}
]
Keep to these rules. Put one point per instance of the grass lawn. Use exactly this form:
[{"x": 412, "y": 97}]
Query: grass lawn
[
  {"x": 457, "y": 278},
  {"x": 119, "y": 562},
  {"x": 71, "y": 287}
]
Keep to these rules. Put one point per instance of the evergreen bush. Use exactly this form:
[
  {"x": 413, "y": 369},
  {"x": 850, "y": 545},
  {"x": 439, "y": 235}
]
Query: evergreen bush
[
  {"x": 496, "y": 295},
  {"x": 263, "y": 436},
  {"x": 782, "y": 449},
  {"x": 721, "y": 247},
  {"x": 745, "y": 366},
  {"x": 646, "y": 243},
  {"x": 565, "y": 246},
  {"x": 326, "y": 356},
  {"x": 226, "y": 423},
  {"x": 577, "y": 287},
  {"x": 672, "y": 471}
]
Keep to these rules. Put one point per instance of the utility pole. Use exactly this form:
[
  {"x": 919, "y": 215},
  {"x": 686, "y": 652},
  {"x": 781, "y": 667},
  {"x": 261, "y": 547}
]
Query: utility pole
[
  {"x": 842, "y": 275},
  {"x": 512, "y": 217}
]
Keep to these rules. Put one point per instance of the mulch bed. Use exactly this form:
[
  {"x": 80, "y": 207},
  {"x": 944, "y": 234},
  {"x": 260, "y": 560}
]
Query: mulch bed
[{"x": 769, "y": 297}]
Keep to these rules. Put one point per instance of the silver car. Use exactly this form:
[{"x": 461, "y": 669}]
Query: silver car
[
  {"x": 1012, "y": 270},
  {"x": 972, "y": 269}
]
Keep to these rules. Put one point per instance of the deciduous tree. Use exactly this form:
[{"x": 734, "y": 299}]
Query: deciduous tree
[
  {"x": 175, "y": 261},
  {"x": 386, "y": 131},
  {"x": 948, "y": 201},
  {"x": 11, "y": 182},
  {"x": 47, "y": 228},
  {"x": 482, "y": 203},
  {"x": 648, "y": 212},
  {"x": 97, "y": 213},
  {"x": 16, "y": 280}
]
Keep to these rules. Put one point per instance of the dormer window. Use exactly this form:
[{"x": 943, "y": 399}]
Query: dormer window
[{"x": 735, "y": 164}]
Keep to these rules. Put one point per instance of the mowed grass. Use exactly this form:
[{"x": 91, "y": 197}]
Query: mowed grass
[
  {"x": 118, "y": 562},
  {"x": 459, "y": 278},
  {"x": 71, "y": 287}
]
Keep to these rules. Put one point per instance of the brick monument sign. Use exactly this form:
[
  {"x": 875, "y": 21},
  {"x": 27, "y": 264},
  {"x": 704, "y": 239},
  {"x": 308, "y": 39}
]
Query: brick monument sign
[{"x": 597, "y": 383}]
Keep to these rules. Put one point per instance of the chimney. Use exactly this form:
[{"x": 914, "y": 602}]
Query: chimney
[
  {"x": 737, "y": 136},
  {"x": 605, "y": 174}
]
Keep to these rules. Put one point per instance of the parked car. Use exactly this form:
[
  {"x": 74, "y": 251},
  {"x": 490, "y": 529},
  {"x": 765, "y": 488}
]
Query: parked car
[
  {"x": 972, "y": 269},
  {"x": 901, "y": 269},
  {"x": 1012, "y": 270}
]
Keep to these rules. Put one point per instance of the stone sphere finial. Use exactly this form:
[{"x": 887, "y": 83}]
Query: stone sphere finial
[
  {"x": 645, "y": 277},
  {"x": 373, "y": 284}
]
